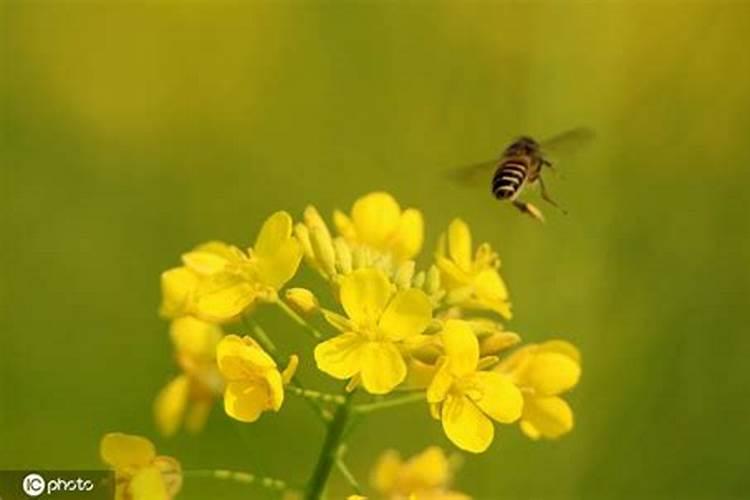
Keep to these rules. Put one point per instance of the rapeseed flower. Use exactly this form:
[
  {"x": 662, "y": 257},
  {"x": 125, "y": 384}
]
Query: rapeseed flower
[
  {"x": 472, "y": 281},
  {"x": 425, "y": 476},
  {"x": 543, "y": 372},
  {"x": 139, "y": 473},
  {"x": 253, "y": 381},
  {"x": 188, "y": 398},
  {"x": 380, "y": 319},
  {"x": 465, "y": 398},
  {"x": 219, "y": 281}
]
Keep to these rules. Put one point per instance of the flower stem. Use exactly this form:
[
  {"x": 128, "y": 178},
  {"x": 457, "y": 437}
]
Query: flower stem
[
  {"x": 297, "y": 318},
  {"x": 344, "y": 469},
  {"x": 323, "y": 397},
  {"x": 240, "y": 477},
  {"x": 329, "y": 451},
  {"x": 388, "y": 403}
]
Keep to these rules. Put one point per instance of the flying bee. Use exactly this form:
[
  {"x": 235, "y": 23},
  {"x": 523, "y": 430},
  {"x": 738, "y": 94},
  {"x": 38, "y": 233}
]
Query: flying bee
[{"x": 521, "y": 164}]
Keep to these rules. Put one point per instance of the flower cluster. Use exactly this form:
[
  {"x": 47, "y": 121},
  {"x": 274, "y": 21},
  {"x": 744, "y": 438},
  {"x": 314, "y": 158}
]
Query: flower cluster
[{"x": 397, "y": 334}]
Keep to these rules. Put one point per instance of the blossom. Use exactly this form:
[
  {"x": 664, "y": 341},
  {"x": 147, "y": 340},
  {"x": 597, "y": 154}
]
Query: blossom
[
  {"x": 302, "y": 300},
  {"x": 544, "y": 372},
  {"x": 426, "y": 476},
  {"x": 139, "y": 473},
  {"x": 471, "y": 282},
  {"x": 377, "y": 221},
  {"x": 379, "y": 320},
  {"x": 467, "y": 399},
  {"x": 254, "y": 383},
  {"x": 190, "y": 396},
  {"x": 219, "y": 281}
]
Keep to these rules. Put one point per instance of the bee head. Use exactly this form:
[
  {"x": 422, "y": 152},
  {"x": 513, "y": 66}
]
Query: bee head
[{"x": 524, "y": 145}]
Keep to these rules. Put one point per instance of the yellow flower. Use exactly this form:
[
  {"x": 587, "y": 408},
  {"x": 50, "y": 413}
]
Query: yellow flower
[
  {"x": 380, "y": 319},
  {"x": 465, "y": 398},
  {"x": 426, "y": 476},
  {"x": 139, "y": 473},
  {"x": 190, "y": 396},
  {"x": 254, "y": 383},
  {"x": 471, "y": 282},
  {"x": 544, "y": 372},
  {"x": 377, "y": 221},
  {"x": 219, "y": 281}
]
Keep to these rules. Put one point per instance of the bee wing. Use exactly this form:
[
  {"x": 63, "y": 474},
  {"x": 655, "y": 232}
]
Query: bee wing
[
  {"x": 474, "y": 174},
  {"x": 568, "y": 142}
]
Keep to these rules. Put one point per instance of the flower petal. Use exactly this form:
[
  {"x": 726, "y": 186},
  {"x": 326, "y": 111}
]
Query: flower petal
[
  {"x": 500, "y": 399},
  {"x": 383, "y": 367},
  {"x": 195, "y": 338},
  {"x": 170, "y": 405},
  {"x": 461, "y": 347},
  {"x": 276, "y": 230},
  {"x": 275, "y": 270},
  {"x": 147, "y": 484},
  {"x": 430, "y": 469},
  {"x": 222, "y": 297},
  {"x": 386, "y": 472},
  {"x": 410, "y": 234},
  {"x": 177, "y": 286},
  {"x": 364, "y": 295},
  {"x": 441, "y": 384},
  {"x": 465, "y": 425},
  {"x": 546, "y": 417},
  {"x": 197, "y": 415},
  {"x": 492, "y": 292},
  {"x": 246, "y": 400},
  {"x": 240, "y": 358},
  {"x": 341, "y": 356},
  {"x": 126, "y": 452},
  {"x": 459, "y": 244},
  {"x": 376, "y": 217},
  {"x": 551, "y": 373},
  {"x": 408, "y": 314}
]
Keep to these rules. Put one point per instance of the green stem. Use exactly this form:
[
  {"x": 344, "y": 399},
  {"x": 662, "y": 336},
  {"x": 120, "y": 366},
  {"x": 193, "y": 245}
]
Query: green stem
[
  {"x": 297, "y": 318},
  {"x": 389, "y": 403},
  {"x": 323, "y": 397},
  {"x": 329, "y": 451},
  {"x": 342, "y": 467},
  {"x": 240, "y": 477}
]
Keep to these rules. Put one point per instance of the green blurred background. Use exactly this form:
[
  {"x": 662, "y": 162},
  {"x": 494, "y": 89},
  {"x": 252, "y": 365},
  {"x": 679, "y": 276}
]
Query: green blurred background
[{"x": 132, "y": 132}]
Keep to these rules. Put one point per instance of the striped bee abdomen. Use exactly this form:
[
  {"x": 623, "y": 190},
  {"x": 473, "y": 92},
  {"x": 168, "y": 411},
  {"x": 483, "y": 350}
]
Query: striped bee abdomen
[{"x": 508, "y": 179}]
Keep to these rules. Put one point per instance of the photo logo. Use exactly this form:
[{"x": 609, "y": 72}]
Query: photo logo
[{"x": 33, "y": 484}]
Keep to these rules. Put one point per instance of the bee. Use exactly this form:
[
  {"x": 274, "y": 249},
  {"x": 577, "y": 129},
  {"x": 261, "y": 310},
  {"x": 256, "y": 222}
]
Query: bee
[{"x": 521, "y": 165}]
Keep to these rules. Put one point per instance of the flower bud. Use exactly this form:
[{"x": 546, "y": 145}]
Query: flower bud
[{"x": 302, "y": 300}]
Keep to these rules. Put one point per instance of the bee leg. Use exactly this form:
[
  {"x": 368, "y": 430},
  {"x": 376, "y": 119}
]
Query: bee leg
[
  {"x": 529, "y": 209},
  {"x": 546, "y": 196}
]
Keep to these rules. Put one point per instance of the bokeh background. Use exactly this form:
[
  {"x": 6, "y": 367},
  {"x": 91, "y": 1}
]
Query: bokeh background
[{"x": 133, "y": 131}]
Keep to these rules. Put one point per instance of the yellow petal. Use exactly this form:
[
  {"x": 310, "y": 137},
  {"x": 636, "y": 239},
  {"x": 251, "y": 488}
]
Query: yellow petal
[
  {"x": 459, "y": 244},
  {"x": 383, "y": 367},
  {"x": 364, "y": 295},
  {"x": 344, "y": 225},
  {"x": 428, "y": 470},
  {"x": 246, "y": 400},
  {"x": 561, "y": 347},
  {"x": 465, "y": 425},
  {"x": 410, "y": 234},
  {"x": 408, "y": 314},
  {"x": 386, "y": 471},
  {"x": 210, "y": 258},
  {"x": 441, "y": 384},
  {"x": 491, "y": 290},
  {"x": 341, "y": 356},
  {"x": 239, "y": 358},
  {"x": 171, "y": 474},
  {"x": 126, "y": 452},
  {"x": 549, "y": 417},
  {"x": 223, "y": 297},
  {"x": 195, "y": 338},
  {"x": 302, "y": 299},
  {"x": 197, "y": 415},
  {"x": 276, "y": 231},
  {"x": 275, "y": 389},
  {"x": 177, "y": 286},
  {"x": 291, "y": 368},
  {"x": 551, "y": 373},
  {"x": 278, "y": 269},
  {"x": 376, "y": 217},
  {"x": 461, "y": 347},
  {"x": 500, "y": 399},
  {"x": 338, "y": 321},
  {"x": 148, "y": 484},
  {"x": 170, "y": 405}
]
